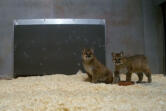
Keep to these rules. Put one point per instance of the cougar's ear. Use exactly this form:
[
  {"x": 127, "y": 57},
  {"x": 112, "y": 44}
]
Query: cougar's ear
[
  {"x": 83, "y": 50},
  {"x": 92, "y": 50},
  {"x": 121, "y": 53},
  {"x": 113, "y": 54}
]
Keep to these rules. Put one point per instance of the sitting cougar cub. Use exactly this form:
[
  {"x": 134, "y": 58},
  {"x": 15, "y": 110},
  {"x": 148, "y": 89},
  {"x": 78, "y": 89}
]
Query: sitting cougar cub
[
  {"x": 96, "y": 71},
  {"x": 134, "y": 64}
]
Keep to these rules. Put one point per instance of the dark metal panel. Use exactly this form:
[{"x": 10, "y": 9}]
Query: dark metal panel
[{"x": 50, "y": 49}]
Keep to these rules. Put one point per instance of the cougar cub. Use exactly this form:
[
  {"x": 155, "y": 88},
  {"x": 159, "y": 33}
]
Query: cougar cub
[
  {"x": 96, "y": 71},
  {"x": 134, "y": 64}
]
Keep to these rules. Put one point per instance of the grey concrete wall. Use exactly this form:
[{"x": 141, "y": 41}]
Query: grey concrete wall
[
  {"x": 125, "y": 31},
  {"x": 133, "y": 26},
  {"x": 153, "y": 35},
  {"x": 124, "y": 25}
]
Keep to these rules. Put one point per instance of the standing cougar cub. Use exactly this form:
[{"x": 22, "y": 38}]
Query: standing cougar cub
[
  {"x": 134, "y": 64},
  {"x": 96, "y": 71}
]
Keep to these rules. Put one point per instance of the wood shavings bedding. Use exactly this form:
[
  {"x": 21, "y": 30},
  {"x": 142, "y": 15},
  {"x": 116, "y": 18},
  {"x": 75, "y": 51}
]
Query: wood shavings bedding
[{"x": 72, "y": 93}]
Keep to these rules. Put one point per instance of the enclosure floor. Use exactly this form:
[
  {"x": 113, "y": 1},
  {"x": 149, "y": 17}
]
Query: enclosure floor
[{"x": 72, "y": 93}]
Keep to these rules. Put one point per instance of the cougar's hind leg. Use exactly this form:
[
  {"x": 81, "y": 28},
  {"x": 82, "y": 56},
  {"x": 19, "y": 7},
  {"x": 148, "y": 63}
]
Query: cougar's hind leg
[
  {"x": 148, "y": 75},
  {"x": 109, "y": 78},
  {"x": 140, "y": 77}
]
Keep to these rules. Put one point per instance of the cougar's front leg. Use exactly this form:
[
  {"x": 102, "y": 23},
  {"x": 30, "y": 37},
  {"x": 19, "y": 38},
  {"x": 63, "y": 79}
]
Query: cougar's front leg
[
  {"x": 116, "y": 77},
  {"x": 128, "y": 76},
  {"x": 90, "y": 76}
]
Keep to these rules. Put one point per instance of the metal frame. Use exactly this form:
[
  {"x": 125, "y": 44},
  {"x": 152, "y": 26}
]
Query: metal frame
[
  {"x": 59, "y": 21},
  {"x": 164, "y": 59}
]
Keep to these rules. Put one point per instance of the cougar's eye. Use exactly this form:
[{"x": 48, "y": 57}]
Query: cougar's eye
[{"x": 88, "y": 56}]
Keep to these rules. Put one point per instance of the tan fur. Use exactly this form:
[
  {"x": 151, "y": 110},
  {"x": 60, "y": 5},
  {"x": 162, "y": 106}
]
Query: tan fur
[
  {"x": 96, "y": 71},
  {"x": 134, "y": 64},
  {"x": 5, "y": 78}
]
